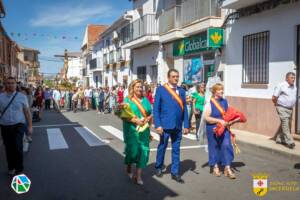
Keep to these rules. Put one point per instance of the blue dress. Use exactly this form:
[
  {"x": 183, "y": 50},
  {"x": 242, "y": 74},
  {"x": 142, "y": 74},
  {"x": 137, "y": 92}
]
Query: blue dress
[{"x": 220, "y": 149}]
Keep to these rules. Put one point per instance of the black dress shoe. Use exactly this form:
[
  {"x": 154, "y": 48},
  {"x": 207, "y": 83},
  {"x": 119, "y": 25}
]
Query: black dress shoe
[
  {"x": 159, "y": 173},
  {"x": 291, "y": 146},
  {"x": 177, "y": 178}
]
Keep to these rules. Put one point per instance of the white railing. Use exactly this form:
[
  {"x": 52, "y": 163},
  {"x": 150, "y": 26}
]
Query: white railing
[{"x": 170, "y": 19}]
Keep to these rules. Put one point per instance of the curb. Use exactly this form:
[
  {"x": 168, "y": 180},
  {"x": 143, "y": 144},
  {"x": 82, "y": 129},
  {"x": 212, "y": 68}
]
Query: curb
[{"x": 273, "y": 151}]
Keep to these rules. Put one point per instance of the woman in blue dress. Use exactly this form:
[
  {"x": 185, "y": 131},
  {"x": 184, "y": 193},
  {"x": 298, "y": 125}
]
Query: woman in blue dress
[{"x": 220, "y": 149}]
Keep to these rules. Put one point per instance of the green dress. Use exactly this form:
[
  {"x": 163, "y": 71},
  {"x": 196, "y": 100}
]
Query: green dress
[{"x": 136, "y": 144}]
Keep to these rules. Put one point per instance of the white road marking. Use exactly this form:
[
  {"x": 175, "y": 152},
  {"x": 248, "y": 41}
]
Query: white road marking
[
  {"x": 56, "y": 139},
  {"x": 114, "y": 131},
  {"x": 54, "y": 125},
  {"x": 184, "y": 147},
  {"x": 90, "y": 137},
  {"x": 190, "y": 136}
]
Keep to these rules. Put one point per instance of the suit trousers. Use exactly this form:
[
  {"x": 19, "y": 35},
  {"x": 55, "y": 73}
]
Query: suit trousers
[
  {"x": 176, "y": 136},
  {"x": 13, "y": 142}
]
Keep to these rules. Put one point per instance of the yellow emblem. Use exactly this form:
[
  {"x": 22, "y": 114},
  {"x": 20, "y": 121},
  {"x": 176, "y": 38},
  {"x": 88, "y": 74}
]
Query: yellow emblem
[
  {"x": 216, "y": 37},
  {"x": 181, "y": 48},
  {"x": 260, "y": 184}
]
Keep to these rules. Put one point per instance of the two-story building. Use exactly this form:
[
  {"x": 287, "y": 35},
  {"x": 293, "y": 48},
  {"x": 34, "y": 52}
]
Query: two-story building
[
  {"x": 115, "y": 59},
  {"x": 29, "y": 57},
  {"x": 262, "y": 45},
  {"x": 91, "y": 35}
]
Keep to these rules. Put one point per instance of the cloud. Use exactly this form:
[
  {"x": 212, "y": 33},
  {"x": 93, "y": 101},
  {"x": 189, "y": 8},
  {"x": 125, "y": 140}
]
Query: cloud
[{"x": 67, "y": 16}]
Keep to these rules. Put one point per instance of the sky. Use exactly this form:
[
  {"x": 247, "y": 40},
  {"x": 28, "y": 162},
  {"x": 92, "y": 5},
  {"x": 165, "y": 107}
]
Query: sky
[{"x": 54, "y": 25}]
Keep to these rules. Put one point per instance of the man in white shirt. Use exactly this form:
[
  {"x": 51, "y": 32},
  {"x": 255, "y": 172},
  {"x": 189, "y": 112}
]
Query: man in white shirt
[
  {"x": 284, "y": 98},
  {"x": 88, "y": 94},
  {"x": 56, "y": 99}
]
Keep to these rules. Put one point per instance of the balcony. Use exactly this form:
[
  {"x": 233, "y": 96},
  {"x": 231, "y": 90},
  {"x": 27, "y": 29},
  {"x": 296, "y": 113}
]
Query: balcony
[
  {"x": 140, "y": 32},
  {"x": 237, "y": 4},
  {"x": 175, "y": 23},
  {"x": 120, "y": 55},
  {"x": 170, "y": 19},
  {"x": 198, "y": 9}
]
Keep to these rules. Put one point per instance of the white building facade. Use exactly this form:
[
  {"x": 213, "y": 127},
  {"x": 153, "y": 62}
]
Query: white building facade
[
  {"x": 140, "y": 35},
  {"x": 262, "y": 45},
  {"x": 115, "y": 58}
]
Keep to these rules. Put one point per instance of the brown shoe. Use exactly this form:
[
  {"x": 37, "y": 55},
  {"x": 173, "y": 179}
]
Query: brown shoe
[{"x": 228, "y": 173}]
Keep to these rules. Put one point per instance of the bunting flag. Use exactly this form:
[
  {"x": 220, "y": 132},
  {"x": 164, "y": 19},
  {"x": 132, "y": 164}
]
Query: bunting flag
[{"x": 29, "y": 36}]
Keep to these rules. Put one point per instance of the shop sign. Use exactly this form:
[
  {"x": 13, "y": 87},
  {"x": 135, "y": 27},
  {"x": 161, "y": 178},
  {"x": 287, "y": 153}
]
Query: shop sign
[{"x": 212, "y": 38}]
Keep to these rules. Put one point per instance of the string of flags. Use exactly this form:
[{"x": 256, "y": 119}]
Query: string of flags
[{"x": 28, "y": 36}]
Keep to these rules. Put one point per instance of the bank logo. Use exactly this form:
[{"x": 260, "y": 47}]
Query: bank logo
[
  {"x": 216, "y": 37},
  {"x": 181, "y": 47},
  {"x": 20, "y": 184},
  {"x": 260, "y": 184}
]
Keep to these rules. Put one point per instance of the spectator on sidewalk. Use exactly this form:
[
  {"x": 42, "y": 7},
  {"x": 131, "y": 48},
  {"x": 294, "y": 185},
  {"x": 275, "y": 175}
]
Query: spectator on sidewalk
[
  {"x": 88, "y": 95},
  {"x": 48, "y": 96},
  {"x": 56, "y": 99},
  {"x": 14, "y": 114},
  {"x": 101, "y": 100},
  {"x": 198, "y": 103},
  {"x": 284, "y": 98}
]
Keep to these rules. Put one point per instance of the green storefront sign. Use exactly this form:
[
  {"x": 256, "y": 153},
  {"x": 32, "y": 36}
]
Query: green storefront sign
[{"x": 212, "y": 38}]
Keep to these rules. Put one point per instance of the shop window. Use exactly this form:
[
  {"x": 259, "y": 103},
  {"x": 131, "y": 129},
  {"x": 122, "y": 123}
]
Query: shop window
[
  {"x": 256, "y": 58},
  {"x": 141, "y": 73}
]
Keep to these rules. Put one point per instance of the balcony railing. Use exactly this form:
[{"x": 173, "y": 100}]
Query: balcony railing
[
  {"x": 105, "y": 59},
  {"x": 112, "y": 57},
  {"x": 170, "y": 19},
  {"x": 197, "y": 9},
  {"x": 144, "y": 26},
  {"x": 186, "y": 13},
  {"x": 120, "y": 56}
]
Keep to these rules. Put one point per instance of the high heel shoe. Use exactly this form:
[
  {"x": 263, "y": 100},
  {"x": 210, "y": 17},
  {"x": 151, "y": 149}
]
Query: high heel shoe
[
  {"x": 228, "y": 173},
  {"x": 216, "y": 172}
]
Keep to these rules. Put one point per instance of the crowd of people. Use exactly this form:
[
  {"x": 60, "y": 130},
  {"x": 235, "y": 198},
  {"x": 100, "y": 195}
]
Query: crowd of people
[{"x": 168, "y": 108}]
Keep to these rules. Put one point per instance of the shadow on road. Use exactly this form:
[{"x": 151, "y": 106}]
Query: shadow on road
[
  {"x": 79, "y": 172},
  {"x": 234, "y": 166}
]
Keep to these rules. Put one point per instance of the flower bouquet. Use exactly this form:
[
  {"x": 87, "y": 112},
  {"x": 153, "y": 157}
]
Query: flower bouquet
[{"x": 125, "y": 112}]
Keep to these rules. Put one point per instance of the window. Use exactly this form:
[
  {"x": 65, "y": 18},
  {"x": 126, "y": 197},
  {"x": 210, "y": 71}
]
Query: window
[
  {"x": 141, "y": 73},
  {"x": 256, "y": 58},
  {"x": 154, "y": 73}
]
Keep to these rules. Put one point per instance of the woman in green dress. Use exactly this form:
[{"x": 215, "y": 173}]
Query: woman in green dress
[{"x": 137, "y": 143}]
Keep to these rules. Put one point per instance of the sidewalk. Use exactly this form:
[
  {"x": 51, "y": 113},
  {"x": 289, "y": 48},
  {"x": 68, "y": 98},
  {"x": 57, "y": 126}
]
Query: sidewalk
[{"x": 265, "y": 143}]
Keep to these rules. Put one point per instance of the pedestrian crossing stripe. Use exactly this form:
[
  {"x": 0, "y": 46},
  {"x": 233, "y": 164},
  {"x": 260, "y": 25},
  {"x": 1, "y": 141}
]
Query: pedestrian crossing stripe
[
  {"x": 56, "y": 139},
  {"x": 89, "y": 137},
  {"x": 119, "y": 134}
]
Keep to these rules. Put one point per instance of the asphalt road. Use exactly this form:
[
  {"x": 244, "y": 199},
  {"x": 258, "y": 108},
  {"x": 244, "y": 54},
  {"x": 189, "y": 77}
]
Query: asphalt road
[{"x": 80, "y": 156}]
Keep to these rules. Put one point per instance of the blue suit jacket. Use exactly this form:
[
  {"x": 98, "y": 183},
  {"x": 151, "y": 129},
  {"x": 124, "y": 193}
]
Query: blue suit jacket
[{"x": 167, "y": 112}]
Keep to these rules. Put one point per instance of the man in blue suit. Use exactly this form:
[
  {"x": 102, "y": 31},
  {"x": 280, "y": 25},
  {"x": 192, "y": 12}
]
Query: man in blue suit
[{"x": 170, "y": 114}]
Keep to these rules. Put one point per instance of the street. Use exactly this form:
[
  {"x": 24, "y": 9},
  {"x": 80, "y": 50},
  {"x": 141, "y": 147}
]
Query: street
[{"x": 80, "y": 156}]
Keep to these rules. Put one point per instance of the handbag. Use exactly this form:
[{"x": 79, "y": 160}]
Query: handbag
[{"x": 7, "y": 106}]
